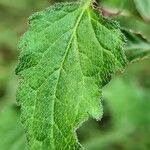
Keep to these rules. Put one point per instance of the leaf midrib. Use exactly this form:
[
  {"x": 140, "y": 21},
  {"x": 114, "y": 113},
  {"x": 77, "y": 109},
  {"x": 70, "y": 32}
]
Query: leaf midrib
[{"x": 61, "y": 65}]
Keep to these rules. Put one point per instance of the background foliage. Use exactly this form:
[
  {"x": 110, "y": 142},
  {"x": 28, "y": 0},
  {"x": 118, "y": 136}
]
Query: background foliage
[{"x": 126, "y": 121}]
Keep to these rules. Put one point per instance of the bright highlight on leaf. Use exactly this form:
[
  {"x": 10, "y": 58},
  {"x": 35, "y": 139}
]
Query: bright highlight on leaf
[{"x": 68, "y": 54}]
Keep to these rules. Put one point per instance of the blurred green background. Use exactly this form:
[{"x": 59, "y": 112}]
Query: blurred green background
[{"x": 126, "y": 99}]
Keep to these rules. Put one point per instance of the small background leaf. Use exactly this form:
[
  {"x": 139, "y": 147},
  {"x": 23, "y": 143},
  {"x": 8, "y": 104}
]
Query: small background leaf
[
  {"x": 137, "y": 46},
  {"x": 143, "y": 6}
]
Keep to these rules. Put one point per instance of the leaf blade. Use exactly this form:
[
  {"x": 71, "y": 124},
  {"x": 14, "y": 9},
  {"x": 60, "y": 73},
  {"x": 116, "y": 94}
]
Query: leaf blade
[{"x": 63, "y": 64}]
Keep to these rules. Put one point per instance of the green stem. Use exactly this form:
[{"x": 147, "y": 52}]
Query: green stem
[{"x": 87, "y": 3}]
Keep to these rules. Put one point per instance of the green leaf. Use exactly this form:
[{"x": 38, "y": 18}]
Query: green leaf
[
  {"x": 69, "y": 53},
  {"x": 11, "y": 134},
  {"x": 137, "y": 46},
  {"x": 143, "y": 6},
  {"x": 134, "y": 24},
  {"x": 121, "y": 6}
]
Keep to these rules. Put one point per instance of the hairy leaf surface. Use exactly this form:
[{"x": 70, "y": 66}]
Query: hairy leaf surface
[{"x": 68, "y": 54}]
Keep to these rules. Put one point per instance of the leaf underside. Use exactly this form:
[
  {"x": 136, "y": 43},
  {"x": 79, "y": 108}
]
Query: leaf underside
[{"x": 68, "y": 54}]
